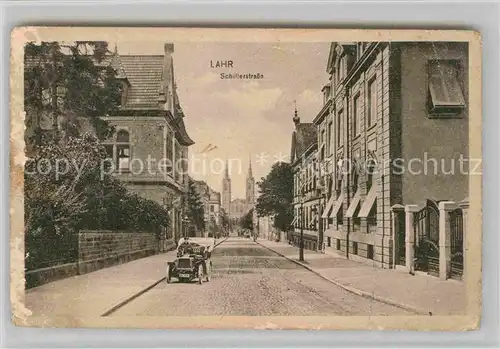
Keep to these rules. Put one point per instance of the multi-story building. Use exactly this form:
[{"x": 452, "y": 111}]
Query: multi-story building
[
  {"x": 150, "y": 145},
  {"x": 396, "y": 123},
  {"x": 211, "y": 206},
  {"x": 306, "y": 189}
]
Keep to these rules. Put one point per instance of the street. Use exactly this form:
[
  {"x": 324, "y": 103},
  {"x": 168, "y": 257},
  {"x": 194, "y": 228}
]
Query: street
[{"x": 250, "y": 280}]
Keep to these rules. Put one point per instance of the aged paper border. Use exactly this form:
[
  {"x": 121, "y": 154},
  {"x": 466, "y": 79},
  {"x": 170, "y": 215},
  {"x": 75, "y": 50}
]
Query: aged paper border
[{"x": 473, "y": 264}]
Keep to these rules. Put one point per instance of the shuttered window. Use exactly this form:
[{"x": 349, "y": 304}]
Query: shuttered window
[{"x": 445, "y": 92}]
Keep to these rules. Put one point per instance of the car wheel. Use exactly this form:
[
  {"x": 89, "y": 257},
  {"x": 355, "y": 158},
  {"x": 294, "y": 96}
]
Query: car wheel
[
  {"x": 168, "y": 277},
  {"x": 200, "y": 274}
]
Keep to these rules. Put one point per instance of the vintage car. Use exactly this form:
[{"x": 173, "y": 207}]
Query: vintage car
[{"x": 193, "y": 260}]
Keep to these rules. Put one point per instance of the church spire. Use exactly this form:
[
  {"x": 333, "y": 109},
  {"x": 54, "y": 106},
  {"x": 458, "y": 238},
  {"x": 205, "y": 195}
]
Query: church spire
[
  {"x": 296, "y": 118},
  {"x": 250, "y": 175},
  {"x": 226, "y": 172}
]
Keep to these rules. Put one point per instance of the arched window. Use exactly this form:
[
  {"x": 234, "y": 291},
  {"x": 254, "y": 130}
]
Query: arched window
[{"x": 123, "y": 151}]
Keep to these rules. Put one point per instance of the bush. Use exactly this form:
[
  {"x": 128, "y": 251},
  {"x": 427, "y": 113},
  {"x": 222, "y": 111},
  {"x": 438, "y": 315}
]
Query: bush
[{"x": 57, "y": 206}]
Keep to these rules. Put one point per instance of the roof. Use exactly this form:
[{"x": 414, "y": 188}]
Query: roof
[
  {"x": 183, "y": 136},
  {"x": 144, "y": 74},
  {"x": 304, "y": 136}
]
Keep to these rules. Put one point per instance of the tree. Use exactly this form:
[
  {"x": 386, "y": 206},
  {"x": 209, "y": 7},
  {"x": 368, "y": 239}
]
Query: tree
[
  {"x": 69, "y": 83},
  {"x": 224, "y": 220},
  {"x": 276, "y": 195},
  {"x": 65, "y": 193},
  {"x": 246, "y": 222},
  {"x": 195, "y": 209}
]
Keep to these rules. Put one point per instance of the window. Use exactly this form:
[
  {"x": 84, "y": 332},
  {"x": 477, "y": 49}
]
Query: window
[
  {"x": 371, "y": 118},
  {"x": 169, "y": 151},
  {"x": 123, "y": 151},
  {"x": 369, "y": 252},
  {"x": 354, "y": 247},
  {"x": 340, "y": 125},
  {"x": 329, "y": 142},
  {"x": 356, "y": 116},
  {"x": 371, "y": 220},
  {"x": 109, "y": 151},
  {"x": 356, "y": 220},
  {"x": 178, "y": 157},
  {"x": 370, "y": 169},
  {"x": 446, "y": 95},
  {"x": 337, "y": 244},
  {"x": 322, "y": 144},
  {"x": 329, "y": 241},
  {"x": 340, "y": 216},
  {"x": 211, "y": 208}
]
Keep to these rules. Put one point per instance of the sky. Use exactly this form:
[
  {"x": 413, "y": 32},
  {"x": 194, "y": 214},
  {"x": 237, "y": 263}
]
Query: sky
[{"x": 238, "y": 119}]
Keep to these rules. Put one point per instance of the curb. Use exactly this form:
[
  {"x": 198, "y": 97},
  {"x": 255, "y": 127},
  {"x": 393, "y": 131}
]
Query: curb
[
  {"x": 354, "y": 290},
  {"x": 141, "y": 292}
]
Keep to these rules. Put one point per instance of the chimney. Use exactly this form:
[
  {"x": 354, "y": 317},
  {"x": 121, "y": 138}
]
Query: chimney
[{"x": 166, "y": 77}]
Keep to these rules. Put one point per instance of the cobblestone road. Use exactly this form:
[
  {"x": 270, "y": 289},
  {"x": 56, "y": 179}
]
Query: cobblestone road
[{"x": 251, "y": 280}]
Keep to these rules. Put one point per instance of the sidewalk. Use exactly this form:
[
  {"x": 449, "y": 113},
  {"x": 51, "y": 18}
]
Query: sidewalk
[
  {"x": 96, "y": 293},
  {"x": 422, "y": 294}
]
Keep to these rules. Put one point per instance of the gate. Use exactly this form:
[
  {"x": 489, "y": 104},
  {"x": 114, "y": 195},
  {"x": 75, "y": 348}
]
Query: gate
[
  {"x": 457, "y": 243},
  {"x": 426, "y": 230}
]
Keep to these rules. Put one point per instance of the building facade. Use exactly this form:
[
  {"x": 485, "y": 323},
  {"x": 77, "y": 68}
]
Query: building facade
[
  {"x": 211, "y": 200},
  {"x": 149, "y": 148},
  {"x": 307, "y": 189},
  {"x": 237, "y": 208},
  {"x": 395, "y": 119}
]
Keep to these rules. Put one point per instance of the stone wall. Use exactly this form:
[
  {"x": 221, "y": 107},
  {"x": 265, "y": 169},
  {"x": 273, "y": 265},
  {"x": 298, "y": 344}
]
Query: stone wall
[{"x": 101, "y": 249}]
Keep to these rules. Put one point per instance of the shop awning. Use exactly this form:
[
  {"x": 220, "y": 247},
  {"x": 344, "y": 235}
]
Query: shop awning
[
  {"x": 328, "y": 207},
  {"x": 354, "y": 204},
  {"x": 369, "y": 201},
  {"x": 338, "y": 204}
]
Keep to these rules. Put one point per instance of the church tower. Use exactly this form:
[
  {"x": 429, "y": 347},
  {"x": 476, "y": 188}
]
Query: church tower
[
  {"x": 226, "y": 191},
  {"x": 250, "y": 187}
]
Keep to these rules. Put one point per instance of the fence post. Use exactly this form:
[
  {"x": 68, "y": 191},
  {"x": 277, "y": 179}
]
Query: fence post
[
  {"x": 464, "y": 205},
  {"x": 397, "y": 212},
  {"x": 410, "y": 236},
  {"x": 445, "y": 207}
]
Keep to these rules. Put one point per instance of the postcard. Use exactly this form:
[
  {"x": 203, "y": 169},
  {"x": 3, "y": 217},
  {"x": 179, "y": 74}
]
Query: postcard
[{"x": 246, "y": 178}]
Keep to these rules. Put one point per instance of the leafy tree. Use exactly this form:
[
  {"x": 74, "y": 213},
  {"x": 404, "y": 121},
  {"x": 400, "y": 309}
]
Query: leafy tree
[
  {"x": 195, "y": 208},
  {"x": 224, "y": 220},
  {"x": 246, "y": 222},
  {"x": 276, "y": 195},
  {"x": 67, "y": 83},
  {"x": 59, "y": 203}
]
